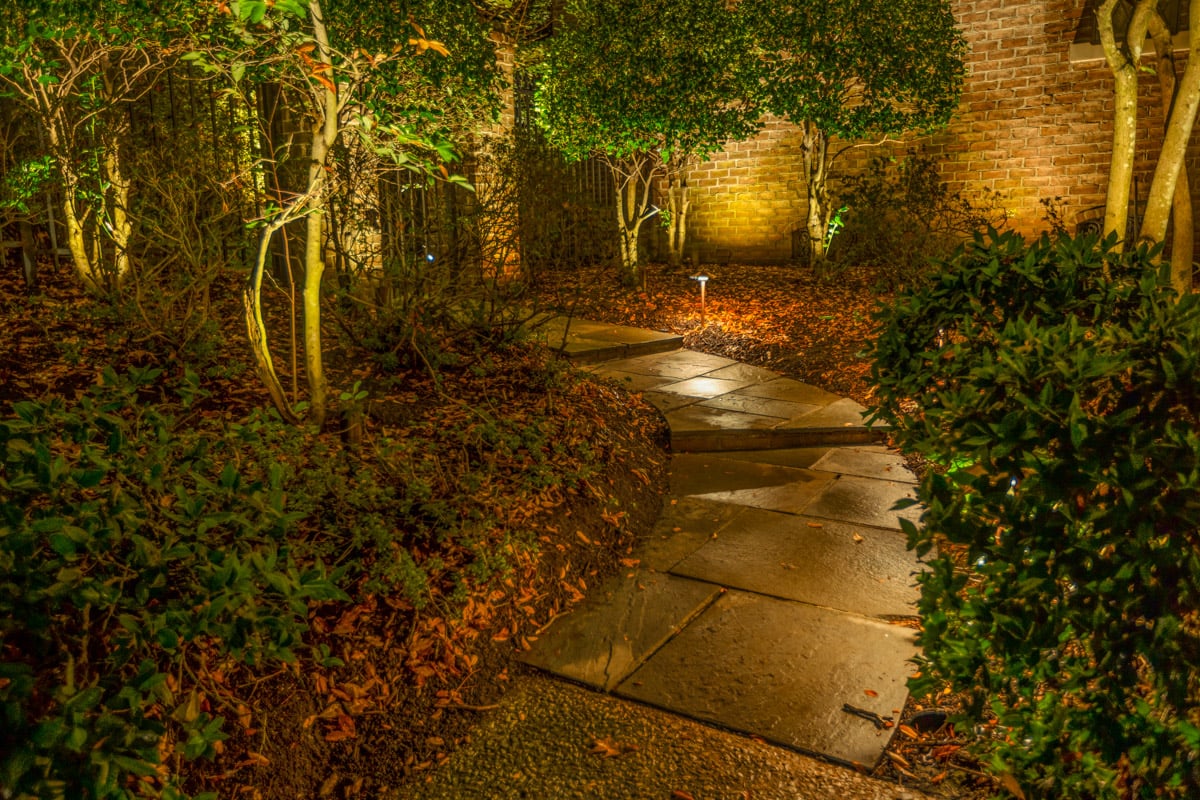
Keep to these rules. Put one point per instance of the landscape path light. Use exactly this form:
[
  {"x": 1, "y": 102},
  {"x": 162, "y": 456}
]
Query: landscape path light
[{"x": 703, "y": 279}]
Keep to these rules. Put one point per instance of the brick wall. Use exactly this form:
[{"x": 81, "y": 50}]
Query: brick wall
[{"x": 1032, "y": 124}]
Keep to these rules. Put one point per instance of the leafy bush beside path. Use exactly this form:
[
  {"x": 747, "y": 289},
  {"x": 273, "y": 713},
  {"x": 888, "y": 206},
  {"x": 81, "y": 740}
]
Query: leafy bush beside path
[{"x": 1055, "y": 385}]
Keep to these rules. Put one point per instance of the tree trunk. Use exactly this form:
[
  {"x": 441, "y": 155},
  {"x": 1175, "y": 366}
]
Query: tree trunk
[
  {"x": 28, "y": 255},
  {"x": 256, "y": 327},
  {"x": 122, "y": 227},
  {"x": 325, "y": 132},
  {"x": 632, "y": 195},
  {"x": 85, "y": 262},
  {"x": 1170, "y": 161},
  {"x": 816, "y": 171},
  {"x": 678, "y": 203},
  {"x": 1182, "y": 223},
  {"x": 74, "y": 219},
  {"x": 1123, "y": 63}
]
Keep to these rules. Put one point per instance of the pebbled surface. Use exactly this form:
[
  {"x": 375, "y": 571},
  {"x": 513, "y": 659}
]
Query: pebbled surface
[{"x": 541, "y": 744}]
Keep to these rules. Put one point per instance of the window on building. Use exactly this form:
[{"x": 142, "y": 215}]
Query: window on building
[{"x": 1086, "y": 44}]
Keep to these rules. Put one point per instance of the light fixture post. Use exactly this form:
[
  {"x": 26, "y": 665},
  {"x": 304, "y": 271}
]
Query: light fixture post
[{"x": 703, "y": 279}]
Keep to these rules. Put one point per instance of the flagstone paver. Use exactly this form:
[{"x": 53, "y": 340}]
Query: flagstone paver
[
  {"x": 767, "y": 597},
  {"x": 847, "y": 567},
  {"x": 610, "y": 635},
  {"x": 783, "y": 671},
  {"x": 866, "y": 464},
  {"x": 864, "y": 500},
  {"x": 789, "y": 389},
  {"x": 690, "y": 523},
  {"x": 588, "y": 342},
  {"x": 704, "y": 387},
  {"x": 781, "y": 409}
]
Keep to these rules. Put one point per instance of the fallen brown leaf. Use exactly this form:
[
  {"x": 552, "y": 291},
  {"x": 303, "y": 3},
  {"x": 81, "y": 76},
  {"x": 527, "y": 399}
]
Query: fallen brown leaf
[
  {"x": 607, "y": 748},
  {"x": 1011, "y": 785}
]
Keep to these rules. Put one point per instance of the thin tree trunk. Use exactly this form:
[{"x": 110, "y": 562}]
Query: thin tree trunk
[
  {"x": 1182, "y": 223},
  {"x": 325, "y": 132},
  {"x": 1123, "y": 63},
  {"x": 678, "y": 203},
  {"x": 28, "y": 255},
  {"x": 673, "y": 251},
  {"x": 122, "y": 227},
  {"x": 1179, "y": 132},
  {"x": 816, "y": 148},
  {"x": 256, "y": 327},
  {"x": 632, "y": 195}
]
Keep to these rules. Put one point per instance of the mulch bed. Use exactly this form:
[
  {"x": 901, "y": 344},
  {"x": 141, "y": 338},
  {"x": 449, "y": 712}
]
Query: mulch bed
[{"x": 779, "y": 317}]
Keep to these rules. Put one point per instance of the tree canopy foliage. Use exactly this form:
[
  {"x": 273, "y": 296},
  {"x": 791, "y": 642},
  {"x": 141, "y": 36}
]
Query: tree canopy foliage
[
  {"x": 854, "y": 69},
  {"x": 646, "y": 86}
]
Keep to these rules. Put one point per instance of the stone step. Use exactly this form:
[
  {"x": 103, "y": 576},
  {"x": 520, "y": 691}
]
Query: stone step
[{"x": 586, "y": 342}]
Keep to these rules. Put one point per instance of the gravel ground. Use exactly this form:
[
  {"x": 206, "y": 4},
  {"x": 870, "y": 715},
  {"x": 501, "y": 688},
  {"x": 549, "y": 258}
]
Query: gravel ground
[{"x": 549, "y": 740}]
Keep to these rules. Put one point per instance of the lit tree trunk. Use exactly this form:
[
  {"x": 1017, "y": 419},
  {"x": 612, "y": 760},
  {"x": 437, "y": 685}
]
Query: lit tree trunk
[
  {"x": 325, "y": 132},
  {"x": 1170, "y": 161},
  {"x": 1123, "y": 61},
  {"x": 678, "y": 203},
  {"x": 74, "y": 217},
  {"x": 118, "y": 199},
  {"x": 256, "y": 327},
  {"x": 1182, "y": 233},
  {"x": 816, "y": 171},
  {"x": 632, "y": 196}
]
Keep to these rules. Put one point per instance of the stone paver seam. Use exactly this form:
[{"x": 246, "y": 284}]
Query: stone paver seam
[
  {"x": 803, "y": 510},
  {"x": 676, "y": 629},
  {"x": 889, "y": 618}
]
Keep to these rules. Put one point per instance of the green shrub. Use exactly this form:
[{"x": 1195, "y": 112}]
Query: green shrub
[
  {"x": 900, "y": 215},
  {"x": 133, "y": 552},
  {"x": 1056, "y": 385}
]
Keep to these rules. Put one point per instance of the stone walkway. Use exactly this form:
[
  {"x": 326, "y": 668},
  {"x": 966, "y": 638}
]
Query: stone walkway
[{"x": 775, "y": 593}]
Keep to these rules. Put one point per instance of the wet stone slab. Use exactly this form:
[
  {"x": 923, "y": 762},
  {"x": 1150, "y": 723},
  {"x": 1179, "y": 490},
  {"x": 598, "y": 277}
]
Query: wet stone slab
[
  {"x": 800, "y": 457},
  {"x": 853, "y": 568},
  {"x": 611, "y": 633},
  {"x": 704, "y": 473},
  {"x": 782, "y": 409},
  {"x": 782, "y": 671},
  {"x": 844, "y": 413},
  {"x": 866, "y": 463},
  {"x": 793, "y": 390},
  {"x": 665, "y": 401},
  {"x": 698, "y": 359},
  {"x": 744, "y": 372},
  {"x": 702, "y": 387},
  {"x": 745, "y": 483},
  {"x": 680, "y": 364},
  {"x": 700, "y": 418},
  {"x": 864, "y": 501},
  {"x": 685, "y": 525},
  {"x": 632, "y": 381}
]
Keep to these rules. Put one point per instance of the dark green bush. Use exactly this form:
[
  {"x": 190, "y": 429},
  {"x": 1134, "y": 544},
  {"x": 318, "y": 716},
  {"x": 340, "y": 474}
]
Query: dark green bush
[
  {"x": 900, "y": 215},
  {"x": 132, "y": 554},
  {"x": 1056, "y": 386}
]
